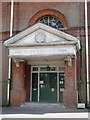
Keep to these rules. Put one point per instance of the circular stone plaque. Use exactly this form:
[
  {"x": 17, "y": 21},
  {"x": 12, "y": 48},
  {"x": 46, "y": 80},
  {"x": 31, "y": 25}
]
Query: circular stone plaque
[{"x": 40, "y": 37}]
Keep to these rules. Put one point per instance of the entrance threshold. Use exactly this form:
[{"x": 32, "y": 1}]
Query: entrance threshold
[{"x": 44, "y": 105}]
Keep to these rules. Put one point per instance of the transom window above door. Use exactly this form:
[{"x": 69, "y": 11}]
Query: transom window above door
[
  {"x": 47, "y": 68},
  {"x": 52, "y": 21}
]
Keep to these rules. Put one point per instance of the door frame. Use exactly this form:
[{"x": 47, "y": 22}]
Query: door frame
[{"x": 38, "y": 72}]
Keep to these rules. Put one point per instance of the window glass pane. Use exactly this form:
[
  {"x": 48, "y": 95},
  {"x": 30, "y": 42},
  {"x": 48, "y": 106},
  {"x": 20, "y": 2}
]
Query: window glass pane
[
  {"x": 53, "y": 80},
  {"x": 46, "y": 19},
  {"x": 35, "y": 68},
  {"x": 43, "y": 69},
  {"x": 53, "y": 68},
  {"x": 52, "y": 21},
  {"x": 48, "y": 68},
  {"x": 61, "y": 80},
  {"x": 35, "y": 80},
  {"x": 61, "y": 68}
]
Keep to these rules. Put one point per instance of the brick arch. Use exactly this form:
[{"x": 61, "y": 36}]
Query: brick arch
[{"x": 47, "y": 12}]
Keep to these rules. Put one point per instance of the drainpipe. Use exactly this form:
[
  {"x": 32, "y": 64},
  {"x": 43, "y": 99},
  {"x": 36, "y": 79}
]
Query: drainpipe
[
  {"x": 11, "y": 33},
  {"x": 11, "y": 21},
  {"x": 87, "y": 58}
]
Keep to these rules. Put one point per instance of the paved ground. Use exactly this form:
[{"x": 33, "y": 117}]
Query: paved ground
[{"x": 41, "y": 108}]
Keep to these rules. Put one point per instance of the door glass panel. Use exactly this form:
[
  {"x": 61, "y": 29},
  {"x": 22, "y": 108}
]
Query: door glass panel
[
  {"x": 34, "y": 86},
  {"x": 53, "y": 87},
  {"x": 61, "y": 86},
  {"x": 61, "y": 80},
  {"x": 53, "y": 80},
  {"x": 44, "y": 87}
]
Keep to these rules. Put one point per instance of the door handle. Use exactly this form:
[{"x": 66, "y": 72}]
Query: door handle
[
  {"x": 52, "y": 89},
  {"x": 35, "y": 89}
]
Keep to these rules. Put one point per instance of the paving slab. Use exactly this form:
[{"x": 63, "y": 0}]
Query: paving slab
[{"x": 41, "y": 108}]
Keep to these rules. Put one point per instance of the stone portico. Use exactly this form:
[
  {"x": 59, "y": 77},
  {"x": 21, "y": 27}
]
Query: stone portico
[{"x": 41, "y": 45}]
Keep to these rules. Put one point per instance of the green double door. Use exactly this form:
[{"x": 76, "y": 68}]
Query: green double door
[{"x": 47, "y": 87}]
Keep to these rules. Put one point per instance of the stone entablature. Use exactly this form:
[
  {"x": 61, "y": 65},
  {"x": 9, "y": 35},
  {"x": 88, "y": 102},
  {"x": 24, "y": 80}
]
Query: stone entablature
[{"x": 48, "y": 51}]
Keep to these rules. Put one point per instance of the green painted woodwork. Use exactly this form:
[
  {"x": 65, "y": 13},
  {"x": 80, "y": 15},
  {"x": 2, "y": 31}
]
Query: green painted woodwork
[
  {"x": 48, "y": 87},
  {"x": 61, "y": 85},
  {"x": 34, "y": 86}
]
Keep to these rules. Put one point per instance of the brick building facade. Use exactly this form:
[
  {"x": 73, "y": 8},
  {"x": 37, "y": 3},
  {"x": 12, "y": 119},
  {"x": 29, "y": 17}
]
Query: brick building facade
[{"x": 67, "y": 68}]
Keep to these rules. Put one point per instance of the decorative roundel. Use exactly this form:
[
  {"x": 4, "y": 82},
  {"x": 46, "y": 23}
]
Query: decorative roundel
[
  {"x": 52, "y": 21},
  {"x": 40, "y": 37}
]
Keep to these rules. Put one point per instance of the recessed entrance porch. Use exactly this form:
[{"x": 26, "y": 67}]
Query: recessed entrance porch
[{"x": 42, "y": 45}]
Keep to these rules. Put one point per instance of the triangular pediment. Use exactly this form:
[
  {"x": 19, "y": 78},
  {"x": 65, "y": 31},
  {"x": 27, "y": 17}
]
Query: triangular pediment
[{"x": 40, "y": 34}]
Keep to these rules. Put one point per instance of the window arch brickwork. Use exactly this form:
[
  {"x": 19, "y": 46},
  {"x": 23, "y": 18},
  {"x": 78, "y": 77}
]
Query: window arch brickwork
[{"x": 47, "y": 12}]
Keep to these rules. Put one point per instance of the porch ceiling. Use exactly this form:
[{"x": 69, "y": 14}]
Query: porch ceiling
[
  {"x": 42, "y": 58},
  {"x": 45, "y": 60}
]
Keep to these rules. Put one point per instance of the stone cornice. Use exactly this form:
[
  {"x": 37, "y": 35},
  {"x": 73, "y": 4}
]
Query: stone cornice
[{"x": 42, "y": 44}]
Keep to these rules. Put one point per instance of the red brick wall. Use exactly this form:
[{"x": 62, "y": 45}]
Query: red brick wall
[
  {"x": 24, "y": 11},
  {"x": 70, "y": 75},
  {"x": 80, "y": 32},
  {"x": 27, "y": 81},
  {"x": 18, "y": 94},
  {"x": 70, "y": 92},
  {"x": 5, "y": 35}
]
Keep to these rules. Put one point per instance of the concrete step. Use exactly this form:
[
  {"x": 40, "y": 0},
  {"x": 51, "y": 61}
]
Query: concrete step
[{"x": 38, "y": 104}]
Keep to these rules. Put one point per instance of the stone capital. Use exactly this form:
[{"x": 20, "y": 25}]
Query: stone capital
[
  {"x": 69, "y": 59},
  {"x": 17, "y": 62}
]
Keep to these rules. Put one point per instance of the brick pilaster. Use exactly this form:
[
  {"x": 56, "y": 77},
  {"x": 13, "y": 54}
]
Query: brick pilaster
[
  {"x": 18, "y": 94},
  {"x": 70, "y": 92}
]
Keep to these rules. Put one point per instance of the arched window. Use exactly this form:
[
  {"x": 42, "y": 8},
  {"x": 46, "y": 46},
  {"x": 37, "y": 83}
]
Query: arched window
[
  {"x": 50, "y": 17},
  {"x": 52, "y": 21}
]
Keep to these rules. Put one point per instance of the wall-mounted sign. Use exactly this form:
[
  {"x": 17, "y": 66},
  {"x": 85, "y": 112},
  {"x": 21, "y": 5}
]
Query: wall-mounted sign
[{"x": 41, "y": 82}]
